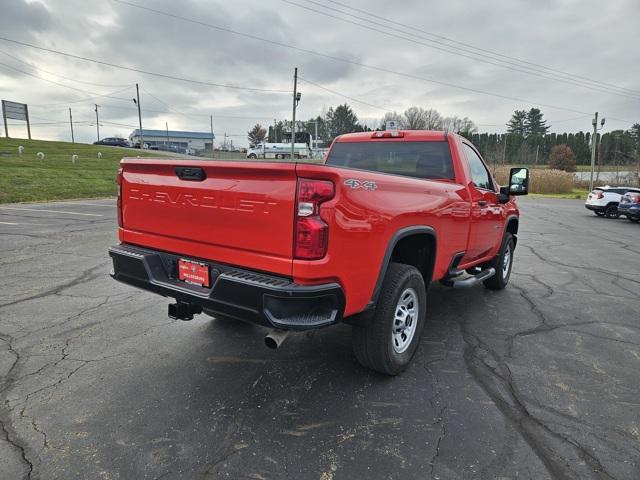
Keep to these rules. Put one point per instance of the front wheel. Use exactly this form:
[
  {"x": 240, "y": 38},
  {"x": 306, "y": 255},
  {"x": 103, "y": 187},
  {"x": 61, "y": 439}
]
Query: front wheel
[
  {"x": 389, "y": 340},
  {"x": 503, "y": 262}
]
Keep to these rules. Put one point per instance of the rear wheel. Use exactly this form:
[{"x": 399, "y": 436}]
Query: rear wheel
[
  {"x": 503, "y": 262},
  {"x": 611, "y": 211},
  {"x": 389, "y": 340}
]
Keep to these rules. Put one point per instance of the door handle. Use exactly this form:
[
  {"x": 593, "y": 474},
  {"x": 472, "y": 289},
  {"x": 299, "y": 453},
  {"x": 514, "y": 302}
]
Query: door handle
[{"x": 483, "y": 203}]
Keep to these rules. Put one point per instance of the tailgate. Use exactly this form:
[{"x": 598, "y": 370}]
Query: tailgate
[{"x": 239, "y": 213}]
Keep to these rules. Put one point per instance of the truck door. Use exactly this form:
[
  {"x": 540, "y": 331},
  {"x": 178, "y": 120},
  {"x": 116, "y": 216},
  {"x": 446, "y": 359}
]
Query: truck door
[{"x": 485, "y": 231}]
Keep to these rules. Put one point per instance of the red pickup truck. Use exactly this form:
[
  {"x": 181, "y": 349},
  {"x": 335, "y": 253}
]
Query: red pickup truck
[{"x": 296, "y": 246}]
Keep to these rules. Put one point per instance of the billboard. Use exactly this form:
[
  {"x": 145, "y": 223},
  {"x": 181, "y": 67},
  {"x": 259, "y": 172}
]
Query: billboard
[{"x": 15, "y": 111}]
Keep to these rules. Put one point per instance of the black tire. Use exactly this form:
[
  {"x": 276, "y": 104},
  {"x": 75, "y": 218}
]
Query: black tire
[
  {"x": 252, "y": 155},
  {"x": 611, "y": 211},
  {"x": 633, "y": 219},
  {"x": 374, "y": 345},
  {"x": 598, "y": 213},
  {"x": 501, "y": 278}
]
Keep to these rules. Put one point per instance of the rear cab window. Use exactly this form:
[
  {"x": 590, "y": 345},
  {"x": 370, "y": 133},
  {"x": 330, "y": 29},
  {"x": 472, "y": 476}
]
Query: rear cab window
[{"x": 421, "y": 159}]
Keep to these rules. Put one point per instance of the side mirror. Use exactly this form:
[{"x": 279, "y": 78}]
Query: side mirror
[
  {"x": 519, "y": 181},
  {"x": 518, "y": 184}
]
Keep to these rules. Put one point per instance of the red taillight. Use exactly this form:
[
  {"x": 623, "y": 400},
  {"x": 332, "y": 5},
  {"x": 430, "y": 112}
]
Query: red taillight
[
  {"x": 119, "y": 201},
  {"x": 312, "y": 232}
]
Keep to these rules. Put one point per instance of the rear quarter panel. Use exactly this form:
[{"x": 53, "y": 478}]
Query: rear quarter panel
[{"x": 362, "y": 222}]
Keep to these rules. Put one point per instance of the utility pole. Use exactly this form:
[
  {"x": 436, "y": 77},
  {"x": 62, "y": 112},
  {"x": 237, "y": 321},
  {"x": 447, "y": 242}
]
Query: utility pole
[
  {"x": 504, "y": 149},
  {"x": 71, "y": 123},
  {"x": 97, "y": 122},
  {"x": 211, "y": 118},
  {"x": 166, "y": 124},
  {"x": 537, "y": 149},
  {"x": 594, "y": 146},
  {"x": 296, "y": 99},
  {"x": 139, "y": 116}
]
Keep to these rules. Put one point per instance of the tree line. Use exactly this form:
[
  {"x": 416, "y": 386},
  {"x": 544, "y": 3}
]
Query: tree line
[{"x": 527, "y": 140}]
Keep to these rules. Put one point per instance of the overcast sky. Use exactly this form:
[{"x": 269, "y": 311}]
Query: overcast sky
[{"x": 594, "y": 40}]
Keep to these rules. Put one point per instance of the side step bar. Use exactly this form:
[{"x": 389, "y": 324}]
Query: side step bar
[{"x": 471, "y": 281}]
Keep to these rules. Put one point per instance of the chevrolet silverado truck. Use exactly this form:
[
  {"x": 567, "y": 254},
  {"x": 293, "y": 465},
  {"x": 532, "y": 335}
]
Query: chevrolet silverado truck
[{"x": 297, "y": 246}]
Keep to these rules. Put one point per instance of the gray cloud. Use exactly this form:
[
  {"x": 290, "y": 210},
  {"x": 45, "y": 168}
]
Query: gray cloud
[{"x": 568, "y": 37}]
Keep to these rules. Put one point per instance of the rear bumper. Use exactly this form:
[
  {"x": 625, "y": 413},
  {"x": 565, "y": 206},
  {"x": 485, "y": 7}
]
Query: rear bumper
[
  {"x": 630, "y": 210},
  {"x": 595, "y": 208},
  {"x": 263, "y": 299}
]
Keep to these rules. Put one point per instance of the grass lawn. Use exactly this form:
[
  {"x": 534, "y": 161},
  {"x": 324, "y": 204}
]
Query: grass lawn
[
  {"x": 576, "y": 193},
  {"x": 27, "y": 179}
]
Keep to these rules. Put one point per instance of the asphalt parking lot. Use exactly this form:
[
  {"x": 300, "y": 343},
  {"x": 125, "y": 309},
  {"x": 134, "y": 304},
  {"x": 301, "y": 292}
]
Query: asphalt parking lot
[{"x": 538, "y": 381}]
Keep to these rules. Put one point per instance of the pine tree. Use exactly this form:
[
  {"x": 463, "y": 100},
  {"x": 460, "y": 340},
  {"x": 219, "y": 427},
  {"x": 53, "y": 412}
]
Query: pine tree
[
  {"x": 257, "y": 134},
  {"x": 534, "y": 124},
  {"x": 517, "y": 122}
]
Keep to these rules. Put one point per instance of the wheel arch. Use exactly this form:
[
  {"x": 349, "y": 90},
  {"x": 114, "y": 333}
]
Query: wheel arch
[
  {"x": 511, "y": 226},
  {"x": 416, "y": 246}
]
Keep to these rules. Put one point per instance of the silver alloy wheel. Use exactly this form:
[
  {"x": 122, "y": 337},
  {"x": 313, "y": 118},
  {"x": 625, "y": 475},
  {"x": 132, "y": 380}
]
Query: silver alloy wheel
[
  {"x": 405, "y": 320},
  {"x": 506, "y": 261}
]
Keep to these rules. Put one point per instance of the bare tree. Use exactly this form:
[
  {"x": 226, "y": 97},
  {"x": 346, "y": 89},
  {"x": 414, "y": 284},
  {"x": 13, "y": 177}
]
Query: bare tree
[
  {"x": 393, "y": 117},
  {"x": 415, "y": 118},
  {"x": 459, "y": 125},
  {"x": 433, "y": 119}
]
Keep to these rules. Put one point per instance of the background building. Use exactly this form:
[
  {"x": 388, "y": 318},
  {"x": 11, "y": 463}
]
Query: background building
[{"x": 174, "y": 141}]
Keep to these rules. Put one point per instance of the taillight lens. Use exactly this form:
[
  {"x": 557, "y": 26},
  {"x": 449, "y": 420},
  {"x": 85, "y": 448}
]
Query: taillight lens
[
  {"x": 119, "y": 201},
  {"x": 312, "y": 233},
  {"x": 598, "y": 194}
]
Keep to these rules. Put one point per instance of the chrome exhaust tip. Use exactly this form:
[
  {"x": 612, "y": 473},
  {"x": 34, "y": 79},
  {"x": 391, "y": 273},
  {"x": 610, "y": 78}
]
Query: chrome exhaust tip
[{"x": 275, "y": 338}]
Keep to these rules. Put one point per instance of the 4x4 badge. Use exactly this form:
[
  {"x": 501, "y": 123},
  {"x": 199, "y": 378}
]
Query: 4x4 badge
[{"x": 360, "y": 184}]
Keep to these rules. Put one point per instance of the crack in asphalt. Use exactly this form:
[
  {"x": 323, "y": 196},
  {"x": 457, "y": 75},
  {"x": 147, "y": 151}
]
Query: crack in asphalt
[
  {"x": 582, "y": 267},
  {"x": 564, "y": 457},
  {"x": 4, "y": 422},
  {"x": 86, "y": 276},
  {"x": 13, "y": 442},
  {"x": 229, "y": 445}
]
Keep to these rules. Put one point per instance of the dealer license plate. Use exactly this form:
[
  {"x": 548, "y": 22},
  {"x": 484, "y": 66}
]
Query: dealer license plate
[{"x": 193, "y": 272}]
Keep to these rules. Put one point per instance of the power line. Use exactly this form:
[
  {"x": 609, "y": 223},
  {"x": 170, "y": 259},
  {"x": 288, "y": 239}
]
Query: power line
[
  {"x": 88, "y": 99},
  {"x": 132, "y": 69},
  {"x": 61, "y": 84},
  {"x": 473, "y": 56},
  {"x": 345, "y": 60},
  {"x": 60, "y": 76},
  {"x": 186, "y": 114},
  {"x": 479, "y": 49},
  {"x": 345, "y": 96}
]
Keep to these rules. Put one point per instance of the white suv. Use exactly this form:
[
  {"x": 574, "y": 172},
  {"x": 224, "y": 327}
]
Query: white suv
[{"x": 603, "y": 201}]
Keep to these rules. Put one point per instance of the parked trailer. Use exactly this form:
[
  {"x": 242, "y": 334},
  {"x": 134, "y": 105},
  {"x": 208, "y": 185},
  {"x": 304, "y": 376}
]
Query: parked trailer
[{"x": 279, "y": 150}]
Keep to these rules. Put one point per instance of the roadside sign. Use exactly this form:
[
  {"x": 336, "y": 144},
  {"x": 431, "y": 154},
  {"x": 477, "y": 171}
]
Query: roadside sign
[
  {"x": 392, "y": 125},
  {"x": 15, "y": 111}
]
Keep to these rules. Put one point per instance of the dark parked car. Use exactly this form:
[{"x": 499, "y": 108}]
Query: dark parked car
[
  {"x": 113, "y": 142},
  {"x": 630, "y": 205}
]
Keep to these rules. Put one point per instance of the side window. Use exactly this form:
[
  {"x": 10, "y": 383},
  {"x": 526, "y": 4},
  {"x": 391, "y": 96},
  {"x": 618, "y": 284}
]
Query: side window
[{"x": 479, "y": 173}]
